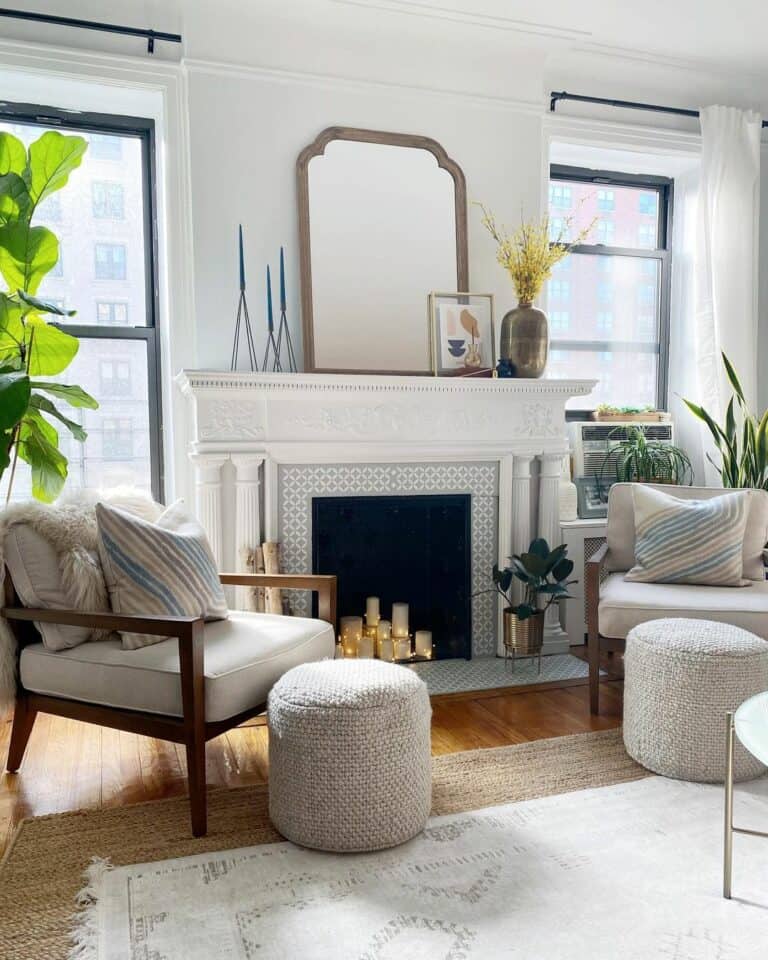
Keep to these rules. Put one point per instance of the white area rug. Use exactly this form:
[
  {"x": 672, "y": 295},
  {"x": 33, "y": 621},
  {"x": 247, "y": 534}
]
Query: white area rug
[
  {"x": 628, "y": 872},
  {"x": 488, "y": 673}
]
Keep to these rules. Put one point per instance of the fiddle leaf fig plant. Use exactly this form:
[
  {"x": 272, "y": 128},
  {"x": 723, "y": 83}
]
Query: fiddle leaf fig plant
[
  {"x": 544, "y": 573},
  {"x": 33, "y": 348}
]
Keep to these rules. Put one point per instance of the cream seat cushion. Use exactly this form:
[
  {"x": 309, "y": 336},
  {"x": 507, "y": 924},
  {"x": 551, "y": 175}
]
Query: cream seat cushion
[
  {"x": 625, "y": 604},
  {"x": 244, "y": 657}
]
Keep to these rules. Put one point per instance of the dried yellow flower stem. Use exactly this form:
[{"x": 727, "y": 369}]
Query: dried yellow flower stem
[{"x": 529, "y": 254}]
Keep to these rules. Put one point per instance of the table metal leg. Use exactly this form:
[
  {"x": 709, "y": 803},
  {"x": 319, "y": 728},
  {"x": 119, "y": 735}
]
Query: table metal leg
[{"x": 728, "y": 839}]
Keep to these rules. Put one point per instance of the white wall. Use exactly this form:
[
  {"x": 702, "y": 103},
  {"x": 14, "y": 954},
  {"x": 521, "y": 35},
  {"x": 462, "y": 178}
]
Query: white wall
[
  {"x": 247, "y": 130},
  {"x": 257, "y": 83}
]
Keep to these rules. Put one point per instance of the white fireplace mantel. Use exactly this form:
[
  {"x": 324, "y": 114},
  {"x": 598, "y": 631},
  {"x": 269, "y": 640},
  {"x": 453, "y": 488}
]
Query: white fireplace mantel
[{"x": 255, "y": 422}]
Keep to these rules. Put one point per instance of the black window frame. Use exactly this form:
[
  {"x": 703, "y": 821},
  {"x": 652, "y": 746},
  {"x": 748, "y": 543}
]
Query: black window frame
[
  {"x": 663, "y": 187},
  {"x": 143, "y": 129}
]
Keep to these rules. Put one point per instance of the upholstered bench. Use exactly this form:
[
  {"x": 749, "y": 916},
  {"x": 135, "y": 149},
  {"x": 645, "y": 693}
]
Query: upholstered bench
[
  {"x": 349, "y": 755},
  {"x": 681, "y": 678}
]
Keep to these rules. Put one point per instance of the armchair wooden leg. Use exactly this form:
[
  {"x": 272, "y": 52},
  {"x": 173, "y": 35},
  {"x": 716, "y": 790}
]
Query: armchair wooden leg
[
  {"x": 191, "y": 653},
  {"x": 23, "y": 721},
  {"x": 198, "y": 798},
  {"x": 593, "y": 655}
]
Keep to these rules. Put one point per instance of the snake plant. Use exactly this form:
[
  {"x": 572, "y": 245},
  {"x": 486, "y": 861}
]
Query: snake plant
[{"x": 742, "y": 441}]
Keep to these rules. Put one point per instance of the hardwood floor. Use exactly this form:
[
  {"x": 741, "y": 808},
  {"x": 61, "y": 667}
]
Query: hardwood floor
[{"x": 71, "y": 765}]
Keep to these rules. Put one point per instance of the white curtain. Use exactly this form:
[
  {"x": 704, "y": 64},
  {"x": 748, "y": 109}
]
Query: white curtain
[
  {"x": 726, "y": 272},
  {"x": 683, "y": 380}
]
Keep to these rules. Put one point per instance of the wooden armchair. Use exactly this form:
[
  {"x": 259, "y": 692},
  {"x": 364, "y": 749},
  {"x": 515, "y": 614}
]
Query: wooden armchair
[
  {"x": 182, "y": 701},
  {"x": 615, "y": 605}
]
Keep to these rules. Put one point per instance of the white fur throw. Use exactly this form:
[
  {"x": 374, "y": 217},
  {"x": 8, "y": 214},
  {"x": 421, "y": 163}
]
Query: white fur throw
[{"x": 70, "y": 527}]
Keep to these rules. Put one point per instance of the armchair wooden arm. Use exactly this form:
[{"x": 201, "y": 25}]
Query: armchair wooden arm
[
  {"x": 156, "y": 626},
  {"x": 593, "y": 575},
  {"x": 321, "y": 584}
]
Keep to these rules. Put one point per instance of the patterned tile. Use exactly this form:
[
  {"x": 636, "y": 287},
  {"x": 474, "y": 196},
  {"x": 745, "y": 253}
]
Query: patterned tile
[
  {"x": 488, "y": 673},
  {"x": 299, "y": 483}
]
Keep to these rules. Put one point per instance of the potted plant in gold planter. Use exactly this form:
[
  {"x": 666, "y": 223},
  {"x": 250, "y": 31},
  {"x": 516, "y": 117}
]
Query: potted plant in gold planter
[
  {"x": 528, "y": 255},
  {"x": 544, "y": 574}
]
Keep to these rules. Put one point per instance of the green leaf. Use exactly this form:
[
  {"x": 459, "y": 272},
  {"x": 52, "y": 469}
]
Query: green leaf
[
  {"x": 75, "y": 396},
  {"x": 14, "y": 398},
  {"x": 38, "y": 446},
  {"x": 52, "y": 158},
  {"x": 539, "y": 547},
  {"x": 734, "y": 380},
  {"x": 6, "y": 440},
  {"x": 524, "y": 611},
  {"x": 14, "y": 197},
  {"x": 26, "y": 255},
  {"x": 44, "y": 405},
  {"x": 535, "y": 564},
  {"x": 52, "y": 350},
  {"x": 562, "y": 570},
  {"x": 11, "y": 332},
  {"x": 43, "y": 306},
  {"x": 13, "y": 155}
]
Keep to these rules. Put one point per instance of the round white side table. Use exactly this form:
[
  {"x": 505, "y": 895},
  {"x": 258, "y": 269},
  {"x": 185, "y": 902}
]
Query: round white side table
[{"x": 750, "y": 724}]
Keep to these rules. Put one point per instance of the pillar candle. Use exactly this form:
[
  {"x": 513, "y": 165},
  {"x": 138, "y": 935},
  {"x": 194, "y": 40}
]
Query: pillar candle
[
  {"x": 423, "y": 643},
  {"x": 372, "y": 612},
  {"x": 384, "y": 630},
  {"x": 339, "y": 650},
  {"x": 399, "y": 619},
  {"x": 351, "y": 632},
  {"x": 282, "y": 281},
  {"x": 402, "y": 649},
  {"x": 365, "y": 647},
  {"x": 386, "y": 649}
]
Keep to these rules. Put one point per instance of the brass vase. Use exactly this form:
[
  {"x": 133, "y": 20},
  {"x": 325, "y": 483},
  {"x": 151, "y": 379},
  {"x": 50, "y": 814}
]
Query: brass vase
[
  {"x": 525, "y": 340},
  {"x": 523, "y": 638}
]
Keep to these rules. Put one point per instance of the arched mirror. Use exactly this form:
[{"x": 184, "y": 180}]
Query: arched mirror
[{"x": 382, "y": 223}]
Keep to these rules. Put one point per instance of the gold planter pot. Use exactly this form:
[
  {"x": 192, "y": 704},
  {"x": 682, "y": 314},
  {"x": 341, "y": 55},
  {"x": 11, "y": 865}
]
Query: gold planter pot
[{"x": 523, "y": 638}]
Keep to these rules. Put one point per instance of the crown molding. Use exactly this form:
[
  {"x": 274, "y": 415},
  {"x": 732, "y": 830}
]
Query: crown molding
[
  {"x": 473, "y": 18},
  {"x": 356, "y": 85}
]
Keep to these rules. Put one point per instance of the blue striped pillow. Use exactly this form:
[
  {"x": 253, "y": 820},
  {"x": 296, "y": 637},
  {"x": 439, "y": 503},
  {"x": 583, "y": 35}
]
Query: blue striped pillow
[
  {"x": 689, "y": 541},
  {"x": 165, "y": 568}
]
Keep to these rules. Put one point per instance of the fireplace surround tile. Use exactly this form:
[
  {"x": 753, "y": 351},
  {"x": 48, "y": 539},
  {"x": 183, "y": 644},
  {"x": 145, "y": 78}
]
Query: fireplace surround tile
[{"x": 299, "y": 483}]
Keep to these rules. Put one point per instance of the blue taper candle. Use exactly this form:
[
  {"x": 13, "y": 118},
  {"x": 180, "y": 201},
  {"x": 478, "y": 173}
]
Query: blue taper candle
[
  {"x": 242, "y": 258},
  {"x": 282, "y": 280},
  {"x": 270, "y": 321}
]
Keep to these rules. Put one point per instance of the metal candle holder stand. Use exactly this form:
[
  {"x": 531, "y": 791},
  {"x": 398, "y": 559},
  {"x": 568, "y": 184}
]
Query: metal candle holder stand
[
  {"x": 283, "y": 333},
  {"x": 242, "y": 314}
]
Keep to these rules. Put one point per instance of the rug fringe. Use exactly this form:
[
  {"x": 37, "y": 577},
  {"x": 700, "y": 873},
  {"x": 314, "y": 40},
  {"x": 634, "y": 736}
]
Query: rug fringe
[{"x": 85, "y": 923}]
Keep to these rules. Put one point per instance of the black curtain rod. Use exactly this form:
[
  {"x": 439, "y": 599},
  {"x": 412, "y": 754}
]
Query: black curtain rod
[
  {"x": 149, "y": 35},
  {"x": 557, "y": 95}
]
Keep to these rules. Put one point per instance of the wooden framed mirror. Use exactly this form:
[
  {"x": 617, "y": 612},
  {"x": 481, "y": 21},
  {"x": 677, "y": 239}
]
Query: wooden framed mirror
[{"x": 382, "y": 223}]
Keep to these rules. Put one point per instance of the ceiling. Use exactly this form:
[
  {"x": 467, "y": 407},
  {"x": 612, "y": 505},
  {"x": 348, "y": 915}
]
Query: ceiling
[{"x": 728, "y": 38}]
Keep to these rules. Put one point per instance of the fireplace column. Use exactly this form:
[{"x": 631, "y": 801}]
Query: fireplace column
[
  {"x": 247, "y": 517},
  {"x": 208, "y": 498},
  {"x": 551, "y": 464},
  {"x": 521, "y": 526}
]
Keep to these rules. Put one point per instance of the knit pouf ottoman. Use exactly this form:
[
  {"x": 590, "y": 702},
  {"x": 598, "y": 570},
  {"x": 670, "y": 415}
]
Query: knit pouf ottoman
[
  {"x": 681, "y": 678},
  {"x": 349, "y": 755}
]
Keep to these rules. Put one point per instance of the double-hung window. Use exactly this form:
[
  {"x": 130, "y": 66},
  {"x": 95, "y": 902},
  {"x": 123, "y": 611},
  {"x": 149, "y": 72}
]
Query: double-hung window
[
  {"x": 618, "y": 282},
  {"x": 105, "y": 221}
]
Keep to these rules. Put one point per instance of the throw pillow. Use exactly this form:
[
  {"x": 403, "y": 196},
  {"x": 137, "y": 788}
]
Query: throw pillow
[
  {"x": 51, "y": 553},
  {"x": 165, "y": 568},
  {"x": 689, "y": 541}
]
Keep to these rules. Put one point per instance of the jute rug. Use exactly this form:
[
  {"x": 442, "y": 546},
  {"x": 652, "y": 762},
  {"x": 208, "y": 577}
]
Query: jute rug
[{"x": 44, "y": 867}]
